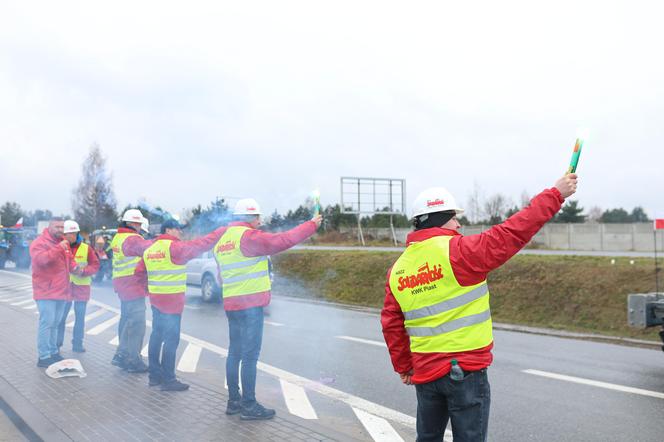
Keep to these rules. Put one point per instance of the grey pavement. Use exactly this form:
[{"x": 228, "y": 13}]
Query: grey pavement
[{"x": 111, "y": 405}]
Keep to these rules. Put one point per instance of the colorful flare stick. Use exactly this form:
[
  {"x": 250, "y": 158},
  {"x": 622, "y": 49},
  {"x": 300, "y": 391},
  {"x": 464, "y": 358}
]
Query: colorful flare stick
[
  {"x": 575, "y": 156},
  {"x": 316, "y": 196}
]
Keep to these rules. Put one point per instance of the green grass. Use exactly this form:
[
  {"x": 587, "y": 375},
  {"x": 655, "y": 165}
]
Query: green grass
[{"x": 574, "y": 293}]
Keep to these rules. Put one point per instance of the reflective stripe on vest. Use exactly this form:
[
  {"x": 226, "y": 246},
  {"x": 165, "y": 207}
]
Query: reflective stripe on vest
[
  {"x": 123, "y": 265},
  {"x": 164, "y": 277},
  {"x": 240, "y": 275},
  {"x": 440, "y": 315},
  {"x": 81, "y": 257}
]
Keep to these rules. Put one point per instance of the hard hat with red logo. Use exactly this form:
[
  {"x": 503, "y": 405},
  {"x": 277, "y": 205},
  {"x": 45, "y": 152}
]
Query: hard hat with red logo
[
  {"x": 71, "y": 226},
  {"x": 133, "y": 216},
  {"x": 247, "y": 206},
  {"x": 435, "y": 199}
]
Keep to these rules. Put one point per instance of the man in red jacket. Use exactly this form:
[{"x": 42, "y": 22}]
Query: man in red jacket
[
  {"x": 436, "y": 318},
  {"x": 242, "y": 256},
  {"x": 164, "y": 267},
  {"x": 87, "y": 260},
  {"x": 52, "y": 263},
  {"x": 127, "y": 245}
]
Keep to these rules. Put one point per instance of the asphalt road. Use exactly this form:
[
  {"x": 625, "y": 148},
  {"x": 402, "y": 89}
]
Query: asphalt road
[{"x": 329, "y": 363}]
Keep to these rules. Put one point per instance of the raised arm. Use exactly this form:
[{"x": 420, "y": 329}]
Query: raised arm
[
  {"x": 184, "y": 251},
  {"x": 259, "y": 243}
]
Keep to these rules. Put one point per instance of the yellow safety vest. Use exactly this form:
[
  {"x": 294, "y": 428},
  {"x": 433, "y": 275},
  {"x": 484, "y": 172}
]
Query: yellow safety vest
[
  {"x": 81, "y": 257},
  {"x": 240, "y": 275},
  {"x": 164, "y": 277},
  {"x": 440, "y": 315},
  {"x": 123, "y": 265}
]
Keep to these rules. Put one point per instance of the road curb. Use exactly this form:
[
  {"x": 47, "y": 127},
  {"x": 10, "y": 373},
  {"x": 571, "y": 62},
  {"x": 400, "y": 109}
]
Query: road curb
[{"x": 33, "y": 424}]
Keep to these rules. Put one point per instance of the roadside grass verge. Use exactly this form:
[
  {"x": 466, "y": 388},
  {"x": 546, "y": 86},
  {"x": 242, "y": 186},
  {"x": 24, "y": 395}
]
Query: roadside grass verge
[{"x": 573, "y": 293}]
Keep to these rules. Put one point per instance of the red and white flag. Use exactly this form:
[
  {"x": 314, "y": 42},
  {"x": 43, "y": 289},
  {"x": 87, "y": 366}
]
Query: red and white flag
[
  {"x": 659, "y": 224},
  {"x": 19, "y": 223}
]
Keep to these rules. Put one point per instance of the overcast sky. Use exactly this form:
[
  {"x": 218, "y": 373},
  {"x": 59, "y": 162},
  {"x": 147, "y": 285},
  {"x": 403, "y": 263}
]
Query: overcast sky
[{"x": 274, "y": 99}]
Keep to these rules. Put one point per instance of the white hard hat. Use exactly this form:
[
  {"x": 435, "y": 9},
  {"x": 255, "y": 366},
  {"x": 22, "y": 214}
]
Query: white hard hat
[
  {"x": 71, "y": 226},
  {"x": 435, "y": 199},
  {"x": 133, "y": 216},
  {"x": 247, "y": 206}
]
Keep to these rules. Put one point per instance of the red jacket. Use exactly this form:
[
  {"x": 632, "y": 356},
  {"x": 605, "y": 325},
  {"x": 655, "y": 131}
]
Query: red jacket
[
  {"x": 82, "y": 292},
  {"x": 472, "y": 258},
  {"x": 50, "y": 268},
  {"x": 134, "y": 286},
  {"x": 181, "y": 253},
  {"x": 258, "y": 243}
]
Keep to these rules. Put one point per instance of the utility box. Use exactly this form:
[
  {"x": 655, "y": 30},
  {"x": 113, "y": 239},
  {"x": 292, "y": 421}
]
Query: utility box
[{"x": 645, "y": 310}]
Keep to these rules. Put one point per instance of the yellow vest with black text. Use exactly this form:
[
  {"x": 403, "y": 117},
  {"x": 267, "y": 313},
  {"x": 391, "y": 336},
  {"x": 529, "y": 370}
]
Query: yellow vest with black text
[
  {"x": 240, "y": 275},
  {"x": 440, "y": 315},
  {"x": 81, "y": 258},
  {"x": 123, "y": 265},
  {"x": 164, "y": 277}
]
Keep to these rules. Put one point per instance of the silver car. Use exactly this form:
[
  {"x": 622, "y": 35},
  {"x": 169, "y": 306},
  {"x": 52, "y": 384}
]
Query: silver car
[{"x": 202, "y": 271}]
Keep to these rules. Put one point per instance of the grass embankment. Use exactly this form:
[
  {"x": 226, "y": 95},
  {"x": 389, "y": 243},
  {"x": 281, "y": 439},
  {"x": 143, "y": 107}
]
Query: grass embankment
[{"x": 574, "y": 293}]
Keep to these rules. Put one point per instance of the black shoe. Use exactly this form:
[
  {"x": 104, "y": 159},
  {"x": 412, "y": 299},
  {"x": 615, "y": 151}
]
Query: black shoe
[
  {"x": 153, "y": 382},
  {"x": 233, "y": 407},
  {"x": 257, "y": 412},
  {"x": 174, "y": 385},
  {"x": 136, "y": 367},
  {"x": 118, "y": 360},
  {"x": 57, "y": 357},
  {"x": 78, "y": 349},
  {"x": 43, "y": 363}
]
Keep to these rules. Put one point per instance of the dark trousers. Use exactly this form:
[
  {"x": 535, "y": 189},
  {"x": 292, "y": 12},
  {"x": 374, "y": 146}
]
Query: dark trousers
[
  {"x": 79, "y": 323},
  {"x": 466, "y": 403},
  {"x": 246, "y": 335},
  {"x": 163, "y": 345},
  {"x": 131, "y": 330}
]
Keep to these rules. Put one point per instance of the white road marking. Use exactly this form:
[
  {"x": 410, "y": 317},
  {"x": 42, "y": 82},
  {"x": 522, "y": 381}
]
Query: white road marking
[
  {"x": 297, "y": 400},
  {"x": 93, "y": 315},
  {"x": 349, "y": 399},
  {"x": 104, "y": 325},
  {"x": 22, "y": 302},
  {"x": 115, "y": 341},
  {"x": 31, "y": 307},
  {"x": 599, "y": 384},
  {"x": 379, "y": 429},
  {"x": 15, "y": 298},
  {"x": 274, "y": 324},
  {"x": 144, "y": 352},
  {"x": 364, "y": 341},
  {"x": 189, "y": 359}
]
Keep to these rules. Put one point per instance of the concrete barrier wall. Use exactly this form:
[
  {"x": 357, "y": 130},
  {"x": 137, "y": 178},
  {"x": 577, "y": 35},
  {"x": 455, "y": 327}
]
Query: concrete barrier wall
[{"x": 636, "y": 237}]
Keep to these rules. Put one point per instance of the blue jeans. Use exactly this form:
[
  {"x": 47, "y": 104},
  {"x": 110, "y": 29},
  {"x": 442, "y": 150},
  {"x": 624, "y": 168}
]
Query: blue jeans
[
  {"x": 164, "y": 341},
  {"x": 131, "y": 330},
  {"x": 466, "y": 403},
  {"x": 50, "y": 314},
  {"x": 79, "y": 323},
  {"x": 246, "y": 336}
]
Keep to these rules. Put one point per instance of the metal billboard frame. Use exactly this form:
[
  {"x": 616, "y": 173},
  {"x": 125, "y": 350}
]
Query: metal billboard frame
[{"x": 373, "y": 201}]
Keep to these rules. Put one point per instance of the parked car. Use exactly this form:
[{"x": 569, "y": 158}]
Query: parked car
[{"x": 202, "y": 271}]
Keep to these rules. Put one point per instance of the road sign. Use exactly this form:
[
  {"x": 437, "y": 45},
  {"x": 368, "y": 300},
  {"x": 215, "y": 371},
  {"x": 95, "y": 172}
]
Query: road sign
[{"x": 368, "y": 196}]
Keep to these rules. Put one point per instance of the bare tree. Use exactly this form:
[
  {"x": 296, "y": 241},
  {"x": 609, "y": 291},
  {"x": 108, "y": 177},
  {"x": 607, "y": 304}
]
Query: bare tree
[
  {"x": 525, "y": 199},
  {"x": 93, "y": 200},
  {"x": 495, "y": 208},
  {"x": 594, "y": 214},
  {"x": 474, "y": 207}
]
